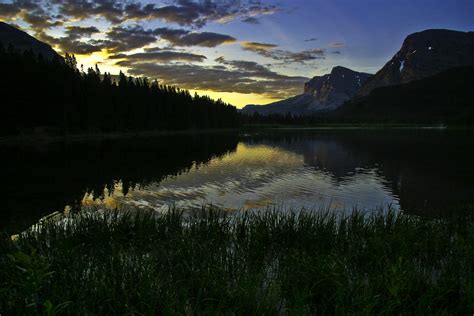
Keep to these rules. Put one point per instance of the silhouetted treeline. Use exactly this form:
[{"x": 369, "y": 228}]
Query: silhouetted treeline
[
  {"x": 55, "y": 94},
  {"x": 280, "y": 119}
]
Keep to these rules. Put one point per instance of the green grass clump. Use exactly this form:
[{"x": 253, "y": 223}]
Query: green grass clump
[{"x": 256, "y": 263}]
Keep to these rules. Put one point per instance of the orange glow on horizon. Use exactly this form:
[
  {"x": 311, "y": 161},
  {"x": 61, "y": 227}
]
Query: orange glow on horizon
[{"x": 239, "y": 100}]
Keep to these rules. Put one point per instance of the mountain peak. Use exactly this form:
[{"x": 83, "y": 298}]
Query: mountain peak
[
  {"x": 424, "y": 54},
  {"x": 20, "y": 40},
  {"x": 341, "y": 69},
  {"x": 321, "y": 94},
  {"x": 436, "y": 33}
]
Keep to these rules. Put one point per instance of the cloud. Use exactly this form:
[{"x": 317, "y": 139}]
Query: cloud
[
  {"x": 270, "y": 51},
  {"x": 260, "y": 48},
  {"x": 198, "y": 14},
  {"x": 77, "y": 32},
  {"x": 205, "y": 39},
  {"x": 73, "y": 41},
  {"x": 39, "y": 20},
  {"x": 158, "y": 57},
  {"x": 311, "y": 39},
  {"x": 8, "y": 10},
  {"x": 179, "y": 37},
  {"x": 121, "y": 39},
  {"x": 250, "y": 67},
  {"x": 31, "y": 12},
  {"x": 43, "y": 15},
  {"x": 182, "y": 12},
  {"x": 110, "y": 10},
  {"x": 251, "y": 20},
  {"x": 229, "y": 76},
  {"x": 19, "y": 7},
  {"x": 336, "y": 45},
  {"x": 299, "y": 57}
]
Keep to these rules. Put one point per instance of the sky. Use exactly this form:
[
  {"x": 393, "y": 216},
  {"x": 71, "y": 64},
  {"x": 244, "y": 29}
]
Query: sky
[{"x": 245, "y": 52}]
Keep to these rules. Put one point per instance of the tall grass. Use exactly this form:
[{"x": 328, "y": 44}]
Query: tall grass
[{"x": 251, "y": 263}]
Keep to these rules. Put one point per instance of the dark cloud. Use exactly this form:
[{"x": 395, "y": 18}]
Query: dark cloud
[
  {"x": 43, "y": 15},
  {"x": 250, "y": 67},
  {"x": 153, "y": 49},
  {"x": 205, "y": 39},
  {"x": 336, "y": 52},
  {"x": 270, "y": 51},
  {"x": 197, "y": 14},
  {"x": 19, "y": 7},
  {"x": 39, "y": 21},
  {"x": 121, "y": 39},
  {"x": 311, "y": 39},
  {"x": 260, "y": 48},
  {"x": 299, "y": 57},
  {"x": 336, "y": 45},
  {"x": 81, "y": 31},
  {"x": 251, "y": 20},
  {"x": 111, "y": 10},
  {"x": 230, "y": 76},
  {"x": 73, "y": 43},
  {"x": 8, "y": 10},
  {"x": 128, "y": 38},
  {"x": 159, "y": 57},
  {"x": 185, "y": 14},
  {"x": 31, "y": 12},
  {"x": 182, "y": 12},
  {"x": 78, "y": 47},
  {"x": 180, "y": 37}
]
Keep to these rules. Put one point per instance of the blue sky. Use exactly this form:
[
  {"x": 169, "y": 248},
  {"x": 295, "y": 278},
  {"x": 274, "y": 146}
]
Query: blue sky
[{"x": 253, "y": 53}]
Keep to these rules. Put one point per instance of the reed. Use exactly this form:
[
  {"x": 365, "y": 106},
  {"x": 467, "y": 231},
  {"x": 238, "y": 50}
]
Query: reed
[{"x": 261, "y": 262}]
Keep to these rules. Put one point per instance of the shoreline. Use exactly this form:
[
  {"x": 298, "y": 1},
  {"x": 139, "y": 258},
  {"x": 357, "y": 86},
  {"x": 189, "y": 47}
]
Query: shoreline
[
  {"x": 45, "y": 139},
  {"x": 27, "y": 139}
]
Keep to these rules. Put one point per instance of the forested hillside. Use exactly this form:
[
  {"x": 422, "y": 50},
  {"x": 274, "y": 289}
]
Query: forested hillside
[
  {"x": 445, "y": 98},
  {"x": 39, "y": 94}
]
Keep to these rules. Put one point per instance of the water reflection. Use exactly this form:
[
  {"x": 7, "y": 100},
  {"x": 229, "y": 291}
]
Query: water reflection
[
  {"x": 39, "y": 180},
  {"x": 260, "y": 176},
  {"x": 417, "y": 171}
]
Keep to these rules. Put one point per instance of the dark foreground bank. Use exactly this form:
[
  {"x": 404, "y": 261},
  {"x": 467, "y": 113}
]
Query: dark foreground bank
[{"x": 251, "y": 263}]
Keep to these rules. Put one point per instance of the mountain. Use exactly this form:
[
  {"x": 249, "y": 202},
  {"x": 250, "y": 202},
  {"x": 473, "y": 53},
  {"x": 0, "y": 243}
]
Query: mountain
[
  {"x": 422, "y": 55},
  {"x": 21, "y": 41},
  {"x": 321, "y": 94},
  {"x": 447, "y": 97}
]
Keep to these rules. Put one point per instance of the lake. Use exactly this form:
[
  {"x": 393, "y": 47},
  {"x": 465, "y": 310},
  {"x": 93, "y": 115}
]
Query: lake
[{"x": 424, "y": 171}]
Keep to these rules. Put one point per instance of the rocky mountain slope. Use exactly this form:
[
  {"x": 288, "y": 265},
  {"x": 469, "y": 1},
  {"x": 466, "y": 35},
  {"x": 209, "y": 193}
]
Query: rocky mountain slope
[
  {"x": 422, "y": 55},
  {"x": 20, "y": 40},
  {"x": 446, "y": 97},
  {"x": 321, "y": 94}
]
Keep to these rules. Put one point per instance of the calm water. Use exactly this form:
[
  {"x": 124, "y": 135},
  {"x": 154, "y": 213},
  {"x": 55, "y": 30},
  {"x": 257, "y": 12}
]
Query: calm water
[{"x": 417, "y": 171}]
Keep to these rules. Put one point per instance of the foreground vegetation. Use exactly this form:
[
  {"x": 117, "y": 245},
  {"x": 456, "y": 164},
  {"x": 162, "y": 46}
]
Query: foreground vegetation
[{"x": 251, "y": 263}]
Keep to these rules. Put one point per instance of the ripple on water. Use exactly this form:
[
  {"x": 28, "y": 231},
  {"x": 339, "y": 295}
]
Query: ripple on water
[{"x": 260, "y": 176}]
